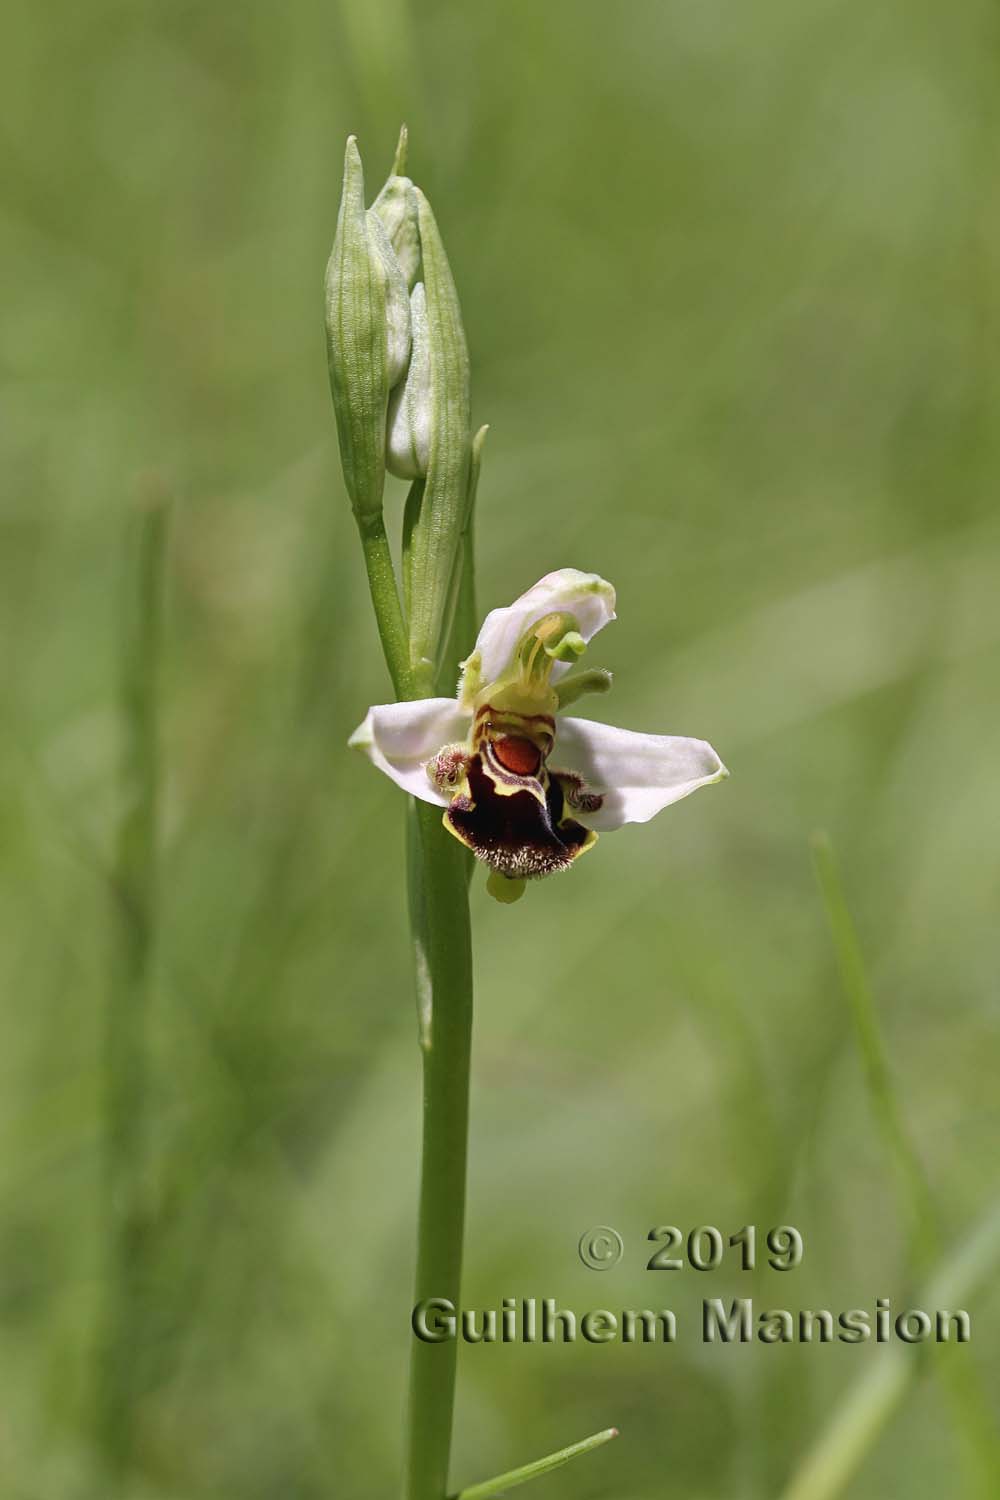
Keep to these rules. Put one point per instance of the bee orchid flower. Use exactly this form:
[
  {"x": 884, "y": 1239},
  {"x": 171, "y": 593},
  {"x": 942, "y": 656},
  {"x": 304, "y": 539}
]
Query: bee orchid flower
[{"x": 526, "y": 788}]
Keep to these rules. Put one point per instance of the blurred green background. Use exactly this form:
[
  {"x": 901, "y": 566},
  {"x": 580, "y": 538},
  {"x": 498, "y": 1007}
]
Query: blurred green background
[{"x": 729, "y": 274}]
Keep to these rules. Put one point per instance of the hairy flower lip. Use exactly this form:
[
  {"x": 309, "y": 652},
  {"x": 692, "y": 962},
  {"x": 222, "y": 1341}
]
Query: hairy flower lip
[
  {"x": 473, "y": 756},
  {"x": 516, "y": 825}
]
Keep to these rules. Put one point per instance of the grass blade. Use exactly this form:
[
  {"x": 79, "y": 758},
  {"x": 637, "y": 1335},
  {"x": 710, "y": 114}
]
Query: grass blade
[
  {"x": 914, "y": 1192},
  {"x": 864, "y": 1417},
  {"x": 509, "y": 1481},
  {"x": 134, "y": 879},
  {"x": 836, "y": 1456}
]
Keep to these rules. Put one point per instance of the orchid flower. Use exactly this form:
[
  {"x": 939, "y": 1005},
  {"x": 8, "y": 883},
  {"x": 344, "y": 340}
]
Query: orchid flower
[{"x": 526, "y": 789}]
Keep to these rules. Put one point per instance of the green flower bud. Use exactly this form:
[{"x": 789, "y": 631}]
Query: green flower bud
[
  {"x": 439, "y": 504},
  {"x": 408, "y": 445},
  {"x": 368, "y": 337},
  {"x": 396, "y": 206}
]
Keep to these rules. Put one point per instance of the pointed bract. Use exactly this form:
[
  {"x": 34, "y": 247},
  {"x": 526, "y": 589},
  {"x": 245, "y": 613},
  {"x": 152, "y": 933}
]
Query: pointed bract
[
  {"x": 368, "y": 337},
  {"x": 439, "y": 521}
]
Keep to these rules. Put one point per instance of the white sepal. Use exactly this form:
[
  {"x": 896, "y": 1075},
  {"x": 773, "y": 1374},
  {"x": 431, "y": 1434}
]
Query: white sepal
[
  {"x": 637, "y": 774},
  {"x": 586, "y": 596},
  {"x": 400, "y": 738}
]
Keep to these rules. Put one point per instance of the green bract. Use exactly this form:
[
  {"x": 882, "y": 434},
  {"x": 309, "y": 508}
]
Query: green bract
[
  {"x": 368, "y": 337},
  {"x": 437, "y": 509}
]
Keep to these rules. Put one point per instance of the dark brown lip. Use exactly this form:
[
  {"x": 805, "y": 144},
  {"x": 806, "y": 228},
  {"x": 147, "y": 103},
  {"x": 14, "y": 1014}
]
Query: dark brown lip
[{"x": 522, "y": 831}]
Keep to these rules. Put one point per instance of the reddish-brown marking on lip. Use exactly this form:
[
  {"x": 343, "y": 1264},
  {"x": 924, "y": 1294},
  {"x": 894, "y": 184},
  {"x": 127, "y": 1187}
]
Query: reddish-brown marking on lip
[{"x": 520, "y": 757}]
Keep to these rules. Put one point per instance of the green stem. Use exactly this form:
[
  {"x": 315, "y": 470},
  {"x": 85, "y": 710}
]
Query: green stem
[
  {"x": 443, "y": 950},
  {"x": 127, "y": 1212},
  {"x": 385, "y": 599},
  {"x": 442, "y": 943}
]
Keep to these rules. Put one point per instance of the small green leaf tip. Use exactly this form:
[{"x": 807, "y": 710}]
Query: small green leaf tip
[
  {"x": 509, "y": 1481},
  {"x": 477, "y": 443},
  {"x": 402, "y": 152},
  {"x": 396, "y": 207}
]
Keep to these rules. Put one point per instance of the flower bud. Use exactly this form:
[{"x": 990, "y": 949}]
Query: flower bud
[
  {"x": 396, "y": 207},
  {"x": 368, "y": 337},
  {"x": 397, "y": 302},
  {"x": 410, "y": 403}
]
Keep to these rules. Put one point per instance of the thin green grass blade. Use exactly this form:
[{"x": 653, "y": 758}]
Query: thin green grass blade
[
  {"x": 509, "y": 1481},
  {"x": 835, "y": 1457},
  {"x": 914, "y": 1192},
  {"x": 969, "y": 1408},
  {"x": 127, "y": 1211}
]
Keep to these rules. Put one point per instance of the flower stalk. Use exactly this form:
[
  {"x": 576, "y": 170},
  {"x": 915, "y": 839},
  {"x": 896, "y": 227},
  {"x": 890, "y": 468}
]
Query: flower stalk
[
  {"x": 493, "y": 773},
  {"x": 385, "y": 602},
  {"x": 439, "y": 905}
]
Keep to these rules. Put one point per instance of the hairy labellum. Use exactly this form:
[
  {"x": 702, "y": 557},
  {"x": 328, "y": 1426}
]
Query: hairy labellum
[{"x": 506, "y": 805}]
